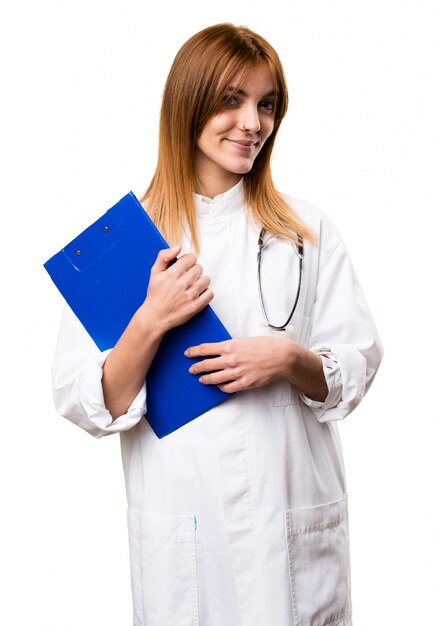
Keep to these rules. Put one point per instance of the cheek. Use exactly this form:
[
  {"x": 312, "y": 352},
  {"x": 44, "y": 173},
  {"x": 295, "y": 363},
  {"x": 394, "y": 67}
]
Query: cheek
[
  {"x": 223, "y": 122},
  {"x": 267, "y": 128}
]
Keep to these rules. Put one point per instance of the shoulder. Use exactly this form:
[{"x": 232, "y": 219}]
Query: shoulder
[
  {"x": 326, "y": 234},
  {"x": 311, "y": 215}
]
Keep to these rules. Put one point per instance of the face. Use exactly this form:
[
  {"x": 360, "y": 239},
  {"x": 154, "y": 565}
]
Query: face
[{"x": 232, "y": 139}]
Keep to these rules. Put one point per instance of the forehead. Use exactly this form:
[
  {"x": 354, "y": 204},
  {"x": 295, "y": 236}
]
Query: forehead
[{"x": 254, "y": 80}]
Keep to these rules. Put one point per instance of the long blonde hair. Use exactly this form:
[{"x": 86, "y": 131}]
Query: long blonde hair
[{"x": 195, "y": 88}]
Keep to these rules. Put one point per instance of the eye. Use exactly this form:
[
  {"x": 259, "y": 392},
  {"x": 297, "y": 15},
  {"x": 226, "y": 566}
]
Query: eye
[
  {"x": 229, "y": 100},
  {"x": 267, "y": 105}
]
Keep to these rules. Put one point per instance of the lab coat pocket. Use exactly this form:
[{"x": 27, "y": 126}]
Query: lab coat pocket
[
  {"x": 319, "y": 567},
  {"x": 163, "y": 569},
  {"x": 280, "y": 392}
]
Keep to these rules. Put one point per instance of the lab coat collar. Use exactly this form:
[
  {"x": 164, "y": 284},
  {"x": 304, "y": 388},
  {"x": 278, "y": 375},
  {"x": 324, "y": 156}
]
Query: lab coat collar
[{"x": 223, "y": 206}]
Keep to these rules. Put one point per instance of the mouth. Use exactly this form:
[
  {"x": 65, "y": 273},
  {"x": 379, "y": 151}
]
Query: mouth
[{"x": 244, "y": 144}]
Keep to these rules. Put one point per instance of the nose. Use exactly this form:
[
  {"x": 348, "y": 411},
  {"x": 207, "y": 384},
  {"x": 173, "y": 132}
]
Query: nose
[{"x": 249, "y": 119}]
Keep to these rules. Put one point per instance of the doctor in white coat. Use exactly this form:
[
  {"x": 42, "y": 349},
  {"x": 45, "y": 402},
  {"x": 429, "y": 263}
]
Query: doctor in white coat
[{"x": 239, "y": 518}]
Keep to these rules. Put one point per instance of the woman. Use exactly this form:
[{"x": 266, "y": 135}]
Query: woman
[{"x": 240, "y": 516}]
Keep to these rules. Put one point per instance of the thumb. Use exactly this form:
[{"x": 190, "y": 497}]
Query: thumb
[{"x": 164, "y": 257}]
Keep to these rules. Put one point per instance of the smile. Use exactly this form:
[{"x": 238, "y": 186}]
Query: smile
[{"x": 242, "y": 144}]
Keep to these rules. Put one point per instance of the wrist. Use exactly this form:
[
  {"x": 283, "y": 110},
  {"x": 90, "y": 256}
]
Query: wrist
[
  {"x": 148, "y": 323},
  {"x": 292, "y": 358}
]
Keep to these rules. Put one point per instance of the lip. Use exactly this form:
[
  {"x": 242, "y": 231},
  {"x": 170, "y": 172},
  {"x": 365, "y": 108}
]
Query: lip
[{"x": 243, "y": 144}]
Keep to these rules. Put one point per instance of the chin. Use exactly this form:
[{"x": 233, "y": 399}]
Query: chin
[{"x": 241, "y": 168}]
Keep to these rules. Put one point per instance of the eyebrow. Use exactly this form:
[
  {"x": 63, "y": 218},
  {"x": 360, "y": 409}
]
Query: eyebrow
[{"x": 240, "y": 92}]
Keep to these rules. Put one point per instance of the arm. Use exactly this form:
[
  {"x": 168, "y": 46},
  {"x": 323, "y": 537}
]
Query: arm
[
  {"x": 250, "y": 362},
  {"x": 342, "y": 327},
  {"x": 175, "y": 294},
  {"x": 126, "y": 366},
  {"x": 104, "y": 392},
  {"x": 343, "y": 340}
]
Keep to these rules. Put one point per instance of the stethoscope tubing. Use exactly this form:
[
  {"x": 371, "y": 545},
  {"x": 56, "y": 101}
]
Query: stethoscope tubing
[{"x": 300, "y": 254}]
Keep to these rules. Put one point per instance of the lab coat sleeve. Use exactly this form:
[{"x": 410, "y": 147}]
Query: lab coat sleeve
[
  {"x": 77, "y": 388},
  {"x": 342, "y": 330}
]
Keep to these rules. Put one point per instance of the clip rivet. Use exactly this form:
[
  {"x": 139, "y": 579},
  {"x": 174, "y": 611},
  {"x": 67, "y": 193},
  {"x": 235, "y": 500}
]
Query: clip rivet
[
  {"x": 78, "y": 252},
  {"x": 106, "y": 229}
]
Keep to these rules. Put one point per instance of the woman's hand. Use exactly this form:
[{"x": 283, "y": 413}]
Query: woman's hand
[
  {"x": 175, "y": 292},
  {"x": 249, "y": 362},
  {"x": 241, "y": 363}
]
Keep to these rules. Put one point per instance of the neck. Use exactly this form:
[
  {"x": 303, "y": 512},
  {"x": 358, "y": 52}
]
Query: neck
[{"x": 214, "y": 187}]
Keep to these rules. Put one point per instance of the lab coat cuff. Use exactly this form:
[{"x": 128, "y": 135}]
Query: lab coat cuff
[
  {"x": 91, "y": 400},
  {"x": 332, "y": 373},
  {"x": 352, "y": 366}
]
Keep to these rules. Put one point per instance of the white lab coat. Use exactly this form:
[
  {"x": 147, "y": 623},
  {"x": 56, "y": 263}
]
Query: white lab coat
[{"x": 239, "y": 518}]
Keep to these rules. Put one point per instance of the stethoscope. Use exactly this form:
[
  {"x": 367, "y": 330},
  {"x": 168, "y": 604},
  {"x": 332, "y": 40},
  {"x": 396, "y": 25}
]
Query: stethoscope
[{"x": 262, "y": 243}]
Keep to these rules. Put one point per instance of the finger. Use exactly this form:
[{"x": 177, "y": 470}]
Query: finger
[
  {"x": 193, "y": 274},
  {"x": 206, "y": 349},
  {"x": 207, "y": 365},
  {"x": 217, "y": 378},
  {"x": 204, "y": 298},
  {"x": 164, "y": 257},
  {"x": 184, "y": 263},
  {"x": 201, "y": 284},
  {"x": 230, "y": 387}
]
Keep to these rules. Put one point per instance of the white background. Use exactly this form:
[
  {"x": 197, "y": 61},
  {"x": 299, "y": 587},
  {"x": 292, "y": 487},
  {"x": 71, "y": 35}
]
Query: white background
[{"x": 81, "y": 85}]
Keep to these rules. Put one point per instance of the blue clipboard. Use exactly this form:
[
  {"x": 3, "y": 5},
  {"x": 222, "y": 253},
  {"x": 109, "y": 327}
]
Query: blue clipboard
[{"x": 103, "y": 274}]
